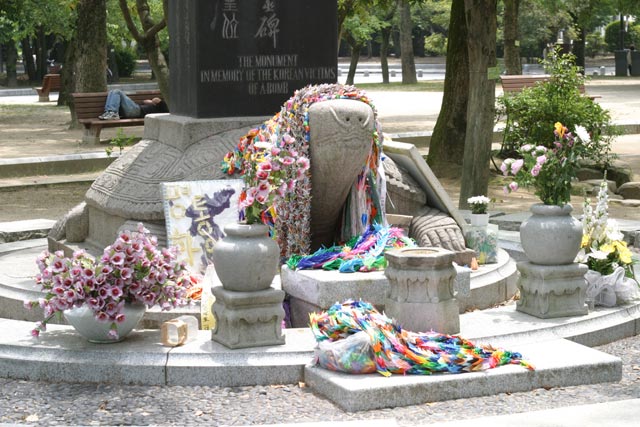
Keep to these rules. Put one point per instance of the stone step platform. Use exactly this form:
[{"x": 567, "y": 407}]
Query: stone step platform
[
  {"x": 491, "y": 284},
  {"x": 60, "y": 354},
  {"x": 558, "y": 363},
  {"x": 66, "y": 164},
  {"x": 15, "y": 231}
]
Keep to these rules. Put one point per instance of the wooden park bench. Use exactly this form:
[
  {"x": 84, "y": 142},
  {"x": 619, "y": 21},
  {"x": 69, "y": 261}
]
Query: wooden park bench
[
  {"x": 88, "y": 106},
  {"x": 515, "y": 83},
  {"x": 50, "y": 83}
]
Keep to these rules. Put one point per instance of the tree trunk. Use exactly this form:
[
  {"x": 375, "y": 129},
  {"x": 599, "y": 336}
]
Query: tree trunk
[
  {"x": 27, "y": 60},
  {"x": 384, "y": 53},
  {"x": 446, "y": 148},
  {"x": 91, "y": 46},
  {"x": 579, "y": 49},
  {"x": 481, "y": 17},
  {"x": 68, "y": 82},
  {"x": 406, "y": 43},
  {"x": 12, "y": 62},
  {"x": 355, "y": 57},
  {"x": 511, "y": 47},
  {"x": 41, "y": 52}
]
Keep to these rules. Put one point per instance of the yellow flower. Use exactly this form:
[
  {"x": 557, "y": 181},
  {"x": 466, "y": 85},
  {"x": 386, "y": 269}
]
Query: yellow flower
[
  {"x": 623, "y": 252},
  {"x": 585, "y": 241},
  {"x": 559, "y": 129},
  {"x": 607, "y": 248}
]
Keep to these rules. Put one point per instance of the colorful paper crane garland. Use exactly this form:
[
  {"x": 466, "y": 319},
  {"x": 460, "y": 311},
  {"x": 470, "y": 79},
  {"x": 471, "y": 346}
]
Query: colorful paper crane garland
[
  {"x": 291, "y": 215},
  {"x": 389, "y": 349},
  {"x": 361, "y": 253}
]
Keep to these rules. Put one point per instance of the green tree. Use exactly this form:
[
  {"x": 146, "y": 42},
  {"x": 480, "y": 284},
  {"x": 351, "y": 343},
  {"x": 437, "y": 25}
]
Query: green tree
[
  {"x": 481, "y": 19},
  {"x": 33, "y": 24},
  {"x": 146, "y": 33},
  {"x": 358, "y": 29}
]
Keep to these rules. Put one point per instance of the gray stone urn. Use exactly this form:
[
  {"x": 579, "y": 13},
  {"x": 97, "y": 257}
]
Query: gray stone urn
[
  {"x": 84, "y": 322},
  {"x": 246, "y": 259},
  {"x": 551, "y": 236}
]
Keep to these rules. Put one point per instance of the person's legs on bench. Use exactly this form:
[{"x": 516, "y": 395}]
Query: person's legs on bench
[{"x": 119, "y": 102}]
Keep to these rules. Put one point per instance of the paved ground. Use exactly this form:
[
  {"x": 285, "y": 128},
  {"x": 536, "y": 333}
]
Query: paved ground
[{"x": 41, "y": 403}]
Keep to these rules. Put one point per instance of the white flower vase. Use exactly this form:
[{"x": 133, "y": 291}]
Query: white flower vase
[
  {"x": 84, "y": 322},
  {"x": 551, "y": 236},
  {"x": 479, "y": 220}
]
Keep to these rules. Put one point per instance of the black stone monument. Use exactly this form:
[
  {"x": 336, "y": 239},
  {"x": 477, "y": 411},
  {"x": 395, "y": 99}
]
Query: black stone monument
[{"x": 246, "y": 57}]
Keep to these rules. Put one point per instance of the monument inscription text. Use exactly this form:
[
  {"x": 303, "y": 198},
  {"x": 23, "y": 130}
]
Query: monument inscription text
[{"x": 247, "y": 58}]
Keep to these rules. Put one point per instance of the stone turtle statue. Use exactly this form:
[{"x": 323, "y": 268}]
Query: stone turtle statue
[{"x": 346, "y": 165}]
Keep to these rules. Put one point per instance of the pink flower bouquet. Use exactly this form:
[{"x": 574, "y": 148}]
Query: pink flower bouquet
[
  {"x": 132, "y": 270},
  {"x": 549, "y": 170}
]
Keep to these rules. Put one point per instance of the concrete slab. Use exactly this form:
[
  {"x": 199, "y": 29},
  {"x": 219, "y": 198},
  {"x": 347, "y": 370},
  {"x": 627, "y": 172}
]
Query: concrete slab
[
  {"x": 505, "y": 326},
  {"x": 205, "y": 362},
  {"x": 559, "y": 363},
  {"x": 14, "y": 231},
  {"x": 60, "y": 354},
  {"x": 622, "y": 413},
  {"x": 383, "y": 422}
]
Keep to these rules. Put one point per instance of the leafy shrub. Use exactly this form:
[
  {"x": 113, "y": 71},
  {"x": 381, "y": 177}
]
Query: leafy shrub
[
  {"x": 595, "y": 45},
  {"x": 634, "y": 34},
  {"x": 126, "y": 60},
  {"x": 612, "y": 37},
  {"x": 532, "y": 113},
  {"x": 435, "y": 45}
]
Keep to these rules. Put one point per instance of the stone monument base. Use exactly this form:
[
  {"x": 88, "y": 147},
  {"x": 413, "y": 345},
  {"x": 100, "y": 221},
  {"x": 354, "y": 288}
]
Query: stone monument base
[
  {"x": 441, "y": 317},
  {"x": 248, "y": 319},
  {"x": 548, "y": 291}
]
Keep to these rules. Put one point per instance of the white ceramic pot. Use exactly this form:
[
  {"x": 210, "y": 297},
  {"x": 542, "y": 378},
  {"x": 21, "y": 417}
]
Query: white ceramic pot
[
  {"x": 84, "y": 322},
  {"x": 246, "y": 259},
  {"x": 479, "y": 220},
  {"x": 551, "y": 236}
]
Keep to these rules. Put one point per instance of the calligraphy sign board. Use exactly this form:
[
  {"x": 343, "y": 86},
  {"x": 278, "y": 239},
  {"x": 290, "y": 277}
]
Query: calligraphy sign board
[
  {"x": 195, "y": 212},
  {"x": 246, "y": 58}
]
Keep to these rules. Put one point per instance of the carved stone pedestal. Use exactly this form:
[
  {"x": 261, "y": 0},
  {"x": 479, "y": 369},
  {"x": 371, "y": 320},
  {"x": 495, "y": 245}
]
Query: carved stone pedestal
[
  {"x": 548, "y": 291},
  {"x": 421, "y": 290},
  {"x": 248, "y": 319}
]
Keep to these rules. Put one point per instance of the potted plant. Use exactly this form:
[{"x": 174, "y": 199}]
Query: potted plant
[
  {"x": 551, "y": 236},
  {"x": 104, "y": 299},
  {"x": 479, "y": 206},
  {"x": 246, "y": 259},
  {"x": 611, "y": 279}
]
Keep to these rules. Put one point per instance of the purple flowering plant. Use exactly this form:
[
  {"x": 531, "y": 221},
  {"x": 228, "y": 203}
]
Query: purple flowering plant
[
  {"x": 549, "y": 170},
  {"x": 131, "y": 270}
]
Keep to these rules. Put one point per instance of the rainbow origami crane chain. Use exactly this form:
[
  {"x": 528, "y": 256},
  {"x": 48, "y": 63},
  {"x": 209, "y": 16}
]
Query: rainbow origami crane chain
[{"x": 398, "y": 351}]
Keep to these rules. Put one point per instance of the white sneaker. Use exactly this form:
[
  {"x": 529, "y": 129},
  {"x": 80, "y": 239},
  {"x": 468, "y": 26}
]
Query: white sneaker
[{"x": 109, "y": 115}]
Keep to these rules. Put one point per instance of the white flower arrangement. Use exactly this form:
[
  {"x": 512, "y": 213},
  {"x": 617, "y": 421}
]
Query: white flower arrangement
[
  {"x": 603, "y": 248},
  {"x": 478, "y": 204}
]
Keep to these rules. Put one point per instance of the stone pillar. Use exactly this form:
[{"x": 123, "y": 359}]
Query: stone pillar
[
  {"x": 248, "y": 319},
  {"x": 421, "y": 289},
  {"x": 548, "y": 291}
]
